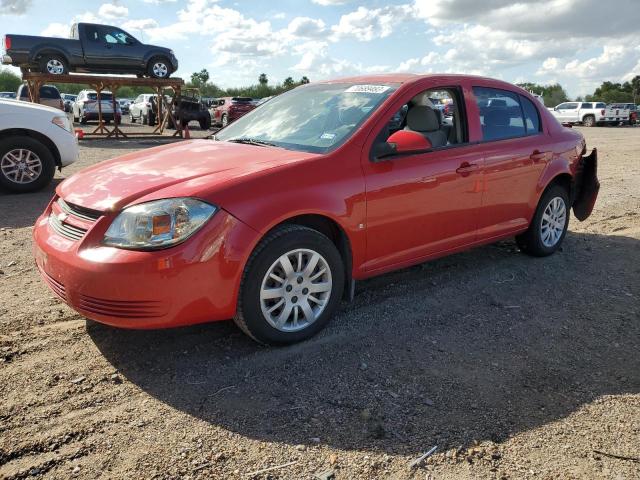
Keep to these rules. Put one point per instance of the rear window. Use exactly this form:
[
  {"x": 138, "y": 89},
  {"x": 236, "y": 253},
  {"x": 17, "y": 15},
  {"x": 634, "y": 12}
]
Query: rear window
[
  {"x": 242, "y": 99},
  {"x": 531, "y": 116},
  {"x": 103, "y": 96},
  {"x": 49, "y": 93},
  {"x": 601, "y": 105}
]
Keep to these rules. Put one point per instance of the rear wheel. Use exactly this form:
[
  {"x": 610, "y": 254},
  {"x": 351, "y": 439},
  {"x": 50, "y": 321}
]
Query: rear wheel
[
  {"x": 225, "y": 120},
  {"x": 291, "y": 286},
  {"x": 589, "y": 121},
  {"x": 549, "y": 225},
  {"x": 53, "y": 65},
  {"x": 26, "y": 165},
  {"x": 132, "y": 119},
  {"x": 205, "y": 123}
]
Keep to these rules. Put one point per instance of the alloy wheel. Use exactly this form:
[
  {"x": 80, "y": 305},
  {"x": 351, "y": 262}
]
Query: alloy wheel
[
  {"x": 160, "y": 69},
  {"x": 295, "y": 290},
  {"x": 55, "y": 67},
  {"x": 21, "y": 166},
  {"x": 554, "y": 220}
]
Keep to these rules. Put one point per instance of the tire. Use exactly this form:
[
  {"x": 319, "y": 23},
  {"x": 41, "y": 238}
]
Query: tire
[
  {"x": 205, "y": 124},
  {"x": 589, "y": 121},
  {"x": 83, "y": 119},
  {"x": 131, "y": 118},
  {"x": 159, "y": 67},
  {"x": 224, "y": 121},
  {"x": 53, "y": 64},
  {"x": 38, "y": 152},
  {"x": 532, "y": 242},
  {"x": 75, "y": 119},
  {"x": 252, "y": 310},
  {"x": 143, "y": 119},
  {"x": 151, "y": 119}
]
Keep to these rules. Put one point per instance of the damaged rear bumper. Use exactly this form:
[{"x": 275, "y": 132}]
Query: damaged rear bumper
[{"x": 586, "y": 186}]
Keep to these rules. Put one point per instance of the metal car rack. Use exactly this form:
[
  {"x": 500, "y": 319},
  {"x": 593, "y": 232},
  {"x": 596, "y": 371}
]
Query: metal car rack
[{"x": 99, "y": 83}]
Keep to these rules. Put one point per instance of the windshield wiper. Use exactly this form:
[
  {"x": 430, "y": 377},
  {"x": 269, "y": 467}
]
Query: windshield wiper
[{"x": 252, "y": 141}]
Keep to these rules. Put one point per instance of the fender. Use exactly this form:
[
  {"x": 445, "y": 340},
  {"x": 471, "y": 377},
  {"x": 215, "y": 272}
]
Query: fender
[
  {"x": 155, "y": 53},
  {"x": 559, "y": 165},
  {"x": 41, "y": 49}
]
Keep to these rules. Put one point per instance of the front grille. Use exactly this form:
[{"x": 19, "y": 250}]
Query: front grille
[
  {"x": 121, "y": 308},
  {"x": 78, "y": 211},
  {"x": 66, "y": 230},
  {"x": 57, "y": 287}
]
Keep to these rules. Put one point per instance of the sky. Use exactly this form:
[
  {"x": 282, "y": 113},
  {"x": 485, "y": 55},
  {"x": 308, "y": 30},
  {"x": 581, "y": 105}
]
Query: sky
[{"x": 578, "y": 43}]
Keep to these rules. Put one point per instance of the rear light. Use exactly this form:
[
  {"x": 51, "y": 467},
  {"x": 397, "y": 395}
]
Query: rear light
[
  {"x": 7, "y": 42},
  {"x": 61, "y": 105},
  {"x": 602, "y": 112}
]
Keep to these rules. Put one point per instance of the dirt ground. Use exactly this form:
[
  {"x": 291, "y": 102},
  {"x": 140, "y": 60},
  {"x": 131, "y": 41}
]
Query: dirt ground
[{"x": 514, "y": 367}]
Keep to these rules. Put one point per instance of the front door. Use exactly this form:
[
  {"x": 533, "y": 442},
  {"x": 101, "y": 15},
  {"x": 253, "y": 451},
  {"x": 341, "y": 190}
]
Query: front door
[{"x": 423, "y": 204}]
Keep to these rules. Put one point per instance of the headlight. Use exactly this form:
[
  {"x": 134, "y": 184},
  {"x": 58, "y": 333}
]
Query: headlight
[
  {"x": 158, "y": 224},
  {"x": 62, "y": 122}
]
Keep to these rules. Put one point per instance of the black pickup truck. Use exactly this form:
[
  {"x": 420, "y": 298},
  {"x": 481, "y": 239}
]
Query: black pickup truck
[{"x": 90, "y": 48}]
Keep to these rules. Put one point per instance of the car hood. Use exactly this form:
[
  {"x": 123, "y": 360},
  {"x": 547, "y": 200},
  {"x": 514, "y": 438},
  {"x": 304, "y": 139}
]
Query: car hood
[{"x": 190, "y": 168}]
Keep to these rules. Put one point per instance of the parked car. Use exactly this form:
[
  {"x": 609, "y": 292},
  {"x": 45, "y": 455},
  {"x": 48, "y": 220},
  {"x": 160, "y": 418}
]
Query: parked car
[
  {"x": 49, "y": 95},
  {"x": 86, "y": 108},
  {"x": 273, "y": 220},
  {"x": 124, "y": 105},
  {"x": 589, "y": 114},
  {"x": 7, "y": 94},
  {"x": 229, "y": 109},
  {"x": 34, "y": 140},
  {"x": 68, "y": 101},
  {"x": 633, "y": 111},
  {"x": 140, "y": 107},
  {"x": 188, "y": 108},
  {"x": 90, "y": 48}
]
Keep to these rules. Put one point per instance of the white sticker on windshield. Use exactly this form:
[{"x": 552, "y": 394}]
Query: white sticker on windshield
[
  {"x": 367, "y": 89},
  {"x": 328, "y": 136}
]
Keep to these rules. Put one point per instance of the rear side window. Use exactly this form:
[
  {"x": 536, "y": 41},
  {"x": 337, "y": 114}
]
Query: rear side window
[
  {"x": 586, "y": 105},
  {"x": 49, "y": 93},
  {"x": 501, "y": 114},
  {"x": 531, "y": 116}
]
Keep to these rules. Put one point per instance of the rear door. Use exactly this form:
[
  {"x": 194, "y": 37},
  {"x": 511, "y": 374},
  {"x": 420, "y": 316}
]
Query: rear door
[{"x": 516, "y": 151}]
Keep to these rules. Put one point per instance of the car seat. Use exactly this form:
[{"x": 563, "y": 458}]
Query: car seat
[{"x": 424, "y": 120}]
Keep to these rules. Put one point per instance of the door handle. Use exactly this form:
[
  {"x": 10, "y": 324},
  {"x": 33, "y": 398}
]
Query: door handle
[
  {"x": 466, "y": 168},
  {"x": 538, "y": 156}
]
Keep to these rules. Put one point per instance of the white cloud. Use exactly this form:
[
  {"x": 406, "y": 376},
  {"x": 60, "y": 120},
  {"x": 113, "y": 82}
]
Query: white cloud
[
  {"x": 112, "y": 11},
  {"x": 306, "y": 27},
  {"x": 140, "y": 24},
  {"x": 326, "y": 3},
  {"x": 366, "y": 24},
  {"x": 60, "y": 30},
  {"x": 14, "y": 7},
  {"x": 159, "y": 2}
]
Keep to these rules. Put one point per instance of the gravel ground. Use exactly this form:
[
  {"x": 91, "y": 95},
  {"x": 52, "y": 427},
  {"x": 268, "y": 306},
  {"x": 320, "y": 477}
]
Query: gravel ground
[{"x": 515, "y": 367}]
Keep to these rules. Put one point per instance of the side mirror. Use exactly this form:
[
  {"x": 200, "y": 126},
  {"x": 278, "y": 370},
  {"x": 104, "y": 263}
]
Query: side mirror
[{"x": 407, "y": 141}]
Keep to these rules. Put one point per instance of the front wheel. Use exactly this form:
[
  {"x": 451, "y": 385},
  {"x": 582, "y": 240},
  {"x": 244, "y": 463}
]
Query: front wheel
[
  {"x": 159, "y": 68},
  {"x": 26, "y": 165},
  {"x": 291, "y": 286},
  {"x": 225, "y": 120},
  {"x": 549, "y": 225}
]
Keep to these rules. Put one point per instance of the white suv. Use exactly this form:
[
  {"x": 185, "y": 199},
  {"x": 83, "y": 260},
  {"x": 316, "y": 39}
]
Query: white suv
[
  {"x": 34, "y": 140},
  {"x": 139, "y": 108}
]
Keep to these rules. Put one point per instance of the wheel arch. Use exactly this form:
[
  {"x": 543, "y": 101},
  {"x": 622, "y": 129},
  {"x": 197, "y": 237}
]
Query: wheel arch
[
  {"x": 332, "y": 230},
  {"x": 48, "y": 49},
  {"x": 19, "y": 132}
]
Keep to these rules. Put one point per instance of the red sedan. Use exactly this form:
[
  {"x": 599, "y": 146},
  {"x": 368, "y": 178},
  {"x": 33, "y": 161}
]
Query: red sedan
[{"x": 273, "y": 221}]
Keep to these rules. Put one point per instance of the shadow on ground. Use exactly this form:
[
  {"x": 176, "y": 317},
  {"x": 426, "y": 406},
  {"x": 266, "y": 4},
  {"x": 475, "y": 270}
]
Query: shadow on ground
[{"x": 480, "y": 345}]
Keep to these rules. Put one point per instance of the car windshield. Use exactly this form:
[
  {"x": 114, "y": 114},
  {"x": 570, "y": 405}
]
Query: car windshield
[
  {"x": 103, "y": 96},
  {"x": 313, "y": 118}
]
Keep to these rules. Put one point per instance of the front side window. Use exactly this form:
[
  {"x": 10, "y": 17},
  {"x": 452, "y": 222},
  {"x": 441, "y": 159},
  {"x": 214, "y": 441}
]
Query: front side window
[
  {"x": 313, "y": 118},
  {"x": 501, "y": 115}
]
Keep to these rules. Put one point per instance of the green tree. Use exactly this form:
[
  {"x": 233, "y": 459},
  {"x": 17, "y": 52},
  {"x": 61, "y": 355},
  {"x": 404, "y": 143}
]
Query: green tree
[
  {"x": 304, "y": 80},
  {"x": 612, "y": 92},
  {"x": 262, "y": 79},
  {"x": 9, "y": 81},
  {"x": 288, "y": 83},
  {"x": 200, "y": 78},
  {"x": 551, "y": 94}
]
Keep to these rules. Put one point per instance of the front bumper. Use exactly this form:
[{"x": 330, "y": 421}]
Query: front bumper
[{"x": 194, "y": 282}]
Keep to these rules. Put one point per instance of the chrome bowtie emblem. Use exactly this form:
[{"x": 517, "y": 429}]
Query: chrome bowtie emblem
[{"x": 62, "y": 216}]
